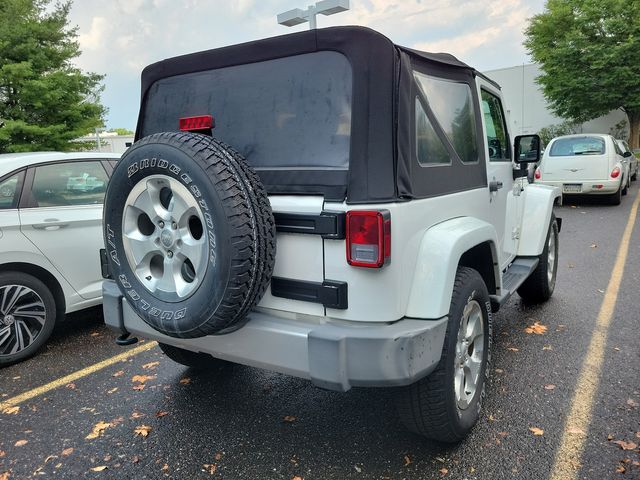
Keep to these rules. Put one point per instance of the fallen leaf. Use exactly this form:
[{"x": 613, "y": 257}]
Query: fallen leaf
[
  {"x": 616, "y": 349},
  {"x": 513, "y": 349},
  {"x": 101, "y": 468},
  {"x": 95, "y": 334},
  {"x": 185, "y": 380},
  {"x": 50, "y": 457},
  {"x": 135, "y": 415},
  {"x": 218, "y": 456},
  {"x": 150, "y": 365},
  {"x": 547, "y": 347},
  {"x": 472, "y": 469},
  {"x": 165, "y": 467},
  {"x": 297, "y": 477},
  {"x": 632, "y": 403},
  {"x": 499, "y": 370},
  {"x": 503, "y": 434},
  {"x": 626, "y": 445},
  {"x": 142, "y": 378},
  {"x": 135, "y": 459},
  {"x": 11, "y": 410},
  {"x": 620, "y": 469},
  {"x": 407, "y": 460},
  {"x": 161, "y": 413},
  {"x": 21, "y": 443},
  {"x": 2, "y": 453},
  {"x": 67, "y": 451},
  {"x": 138, "y": 387},
  {"x": 289, "y": 418},
  {"x": 536, "y": 328},
  {"x": 536, "y": 431},
  {"x": 119, "y": 373},
  {"x": 97, "y": 430},
  {"x": 610, "y": 437},
  {"x": 637, "y": 434},
  {"x": 142, "y": 430},
  {"x": 210, "y": 468},
  {"x": 593, "y": 245},
  {"x": 600, "y": 290},
  {"x": 549, "y": 386},
  {"x": 71, "y": 386},
  {"x": 492, "y": 418},
  {"x": 575, "y": 431},
  {"x": 571, "y": 265},
  {"x": 443, "y": 471},
  {"x": 4, "y": 475},
  {"x": 113, "y": 390}
]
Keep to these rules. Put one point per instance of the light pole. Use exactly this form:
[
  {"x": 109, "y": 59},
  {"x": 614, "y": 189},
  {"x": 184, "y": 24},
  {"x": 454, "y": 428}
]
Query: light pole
[{"x": 325, "y": 7}]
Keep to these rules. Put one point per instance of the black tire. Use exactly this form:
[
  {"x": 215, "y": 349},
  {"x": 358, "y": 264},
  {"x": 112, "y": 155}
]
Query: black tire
[
  {"x": 616, "y": 198},
  {"x": 195, "y": 360},
  {"x": 237, "y": 224},
  {"x": 634, "y": 177},
  {"x": 539, "y": 286},
  {"x": 14, "y": 327},
  {"x": 625, "y": 190},
  {"x": 429, "y": 407}
]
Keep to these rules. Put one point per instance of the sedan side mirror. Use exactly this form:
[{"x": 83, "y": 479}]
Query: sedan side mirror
[{"x": 527, "y": 149}]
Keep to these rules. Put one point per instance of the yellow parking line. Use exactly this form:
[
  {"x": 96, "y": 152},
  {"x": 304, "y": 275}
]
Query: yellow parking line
[
  {"x": 23, "y": 397},
  {"x": 569, "y": 454}
]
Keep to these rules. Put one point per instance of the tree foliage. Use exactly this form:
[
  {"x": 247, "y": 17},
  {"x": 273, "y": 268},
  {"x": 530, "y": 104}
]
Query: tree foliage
[
  {"x": 121, "y": 131},
  {"x": 589, "y": 53},
  {"x": 45, "y": 101},
  {"x": 552, "y": 131}
]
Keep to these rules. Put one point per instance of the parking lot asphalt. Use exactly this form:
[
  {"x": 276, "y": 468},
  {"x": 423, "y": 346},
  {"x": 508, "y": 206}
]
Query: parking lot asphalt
[{"x": 147, "y": 417}]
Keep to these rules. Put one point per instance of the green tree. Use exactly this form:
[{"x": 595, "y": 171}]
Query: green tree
[
  {"x": 552, "y": 131},
  {"x": 121, "y": 131},
  {"x": 589, "y": 53},
  {"x": 45, "y": 101}
]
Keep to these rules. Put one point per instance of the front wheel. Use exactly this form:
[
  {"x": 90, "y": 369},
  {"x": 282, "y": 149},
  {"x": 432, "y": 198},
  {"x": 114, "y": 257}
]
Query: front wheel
[
  {"x": 27, "y": 316},
  {"x": 542, "y": 281},
  {"x": 446, "y": 405}
]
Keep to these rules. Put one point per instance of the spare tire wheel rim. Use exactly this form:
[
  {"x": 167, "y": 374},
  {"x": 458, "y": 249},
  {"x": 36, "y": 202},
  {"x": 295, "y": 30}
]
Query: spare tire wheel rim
[
  {"x": 164, "y": 237},
  {"x": 469, "y": 354}
]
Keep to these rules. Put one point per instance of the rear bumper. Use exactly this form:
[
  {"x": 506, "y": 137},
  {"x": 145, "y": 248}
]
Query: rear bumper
[
  {"x": 588, "y": 186},
  {"x": 335, "y": 355}
]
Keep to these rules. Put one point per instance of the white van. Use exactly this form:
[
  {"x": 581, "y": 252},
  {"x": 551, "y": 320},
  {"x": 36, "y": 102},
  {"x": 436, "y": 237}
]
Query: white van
[{"x": 585, "y": 164}]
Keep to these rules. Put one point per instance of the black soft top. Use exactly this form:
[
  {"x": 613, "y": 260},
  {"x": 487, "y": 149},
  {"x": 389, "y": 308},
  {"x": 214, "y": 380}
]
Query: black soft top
[{"x": 382, "y": 166}]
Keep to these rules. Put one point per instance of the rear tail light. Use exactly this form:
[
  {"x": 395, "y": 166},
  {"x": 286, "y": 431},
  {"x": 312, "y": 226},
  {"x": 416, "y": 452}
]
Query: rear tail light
[
  {"x": 537, "y": 174},
  {"x": 196, "y": 124},
  {"x": 615, "y": 172},
  {"x": 368, "y": 238}
]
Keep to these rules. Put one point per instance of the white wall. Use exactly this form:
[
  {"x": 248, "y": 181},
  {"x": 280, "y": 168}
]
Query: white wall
[
  {"x": 109, "y": 142},
  {"x": 527, "y": 109}
]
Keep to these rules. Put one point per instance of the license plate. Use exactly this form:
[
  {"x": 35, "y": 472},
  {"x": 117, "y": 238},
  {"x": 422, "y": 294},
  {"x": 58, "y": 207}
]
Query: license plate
[{"x": 572, "y": 187}]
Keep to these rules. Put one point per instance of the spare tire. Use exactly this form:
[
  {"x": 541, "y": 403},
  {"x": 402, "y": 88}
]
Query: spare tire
[{"x": 190, "y": 234}]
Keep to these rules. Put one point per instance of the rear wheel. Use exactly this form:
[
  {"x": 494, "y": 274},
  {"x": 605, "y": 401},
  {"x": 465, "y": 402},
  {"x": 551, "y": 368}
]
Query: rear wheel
[
  {"x": 616, "y": 198},
  {"x": 541, "y": 283},
  {"x": 196, "y": 360},
  {"x": 27, "y": 316},
  {"x": 445, "y": 405}
]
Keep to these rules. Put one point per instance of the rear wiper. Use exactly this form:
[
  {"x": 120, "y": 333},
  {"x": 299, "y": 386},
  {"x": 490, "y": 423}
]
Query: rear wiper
[{"x": 587, "y": 151}]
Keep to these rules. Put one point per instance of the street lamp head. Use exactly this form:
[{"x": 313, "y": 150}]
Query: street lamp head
[
  {"x": 291, "y": 17},
  {"x": 329, "y": 7}
]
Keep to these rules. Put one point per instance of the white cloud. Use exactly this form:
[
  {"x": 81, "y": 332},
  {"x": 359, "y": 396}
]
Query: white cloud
[{"x": 94, "y": 39}]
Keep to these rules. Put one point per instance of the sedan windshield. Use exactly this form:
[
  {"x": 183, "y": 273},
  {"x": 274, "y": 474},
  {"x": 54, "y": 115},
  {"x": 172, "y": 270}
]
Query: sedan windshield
[{"x": 565, "y": 147}]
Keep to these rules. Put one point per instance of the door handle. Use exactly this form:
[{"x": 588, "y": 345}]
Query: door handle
[
  {"x": 495, "y": 185},
  {"x": 50, "y": 224}
]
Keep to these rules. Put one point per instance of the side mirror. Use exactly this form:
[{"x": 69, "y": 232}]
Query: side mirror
[
  {"x": 527, "y": 149},
  {"x": 627, "y": 154}
]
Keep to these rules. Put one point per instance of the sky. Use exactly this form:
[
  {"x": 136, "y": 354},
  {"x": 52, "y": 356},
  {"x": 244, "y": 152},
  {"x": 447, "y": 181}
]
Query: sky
[{"x": 118, "y": 38}]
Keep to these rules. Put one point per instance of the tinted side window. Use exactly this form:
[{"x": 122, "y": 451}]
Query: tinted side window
[
  {"x": 496, "y": 128},
  {"x": 452, "y": 104},
  {"x": 72, "y": 183},
  {"x": 429, "y": 147},
  {"x": 9, "y": 191}
]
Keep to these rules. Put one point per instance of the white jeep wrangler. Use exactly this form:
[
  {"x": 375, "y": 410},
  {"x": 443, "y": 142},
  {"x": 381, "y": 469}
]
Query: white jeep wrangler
[{"x": 385, "y": 178}]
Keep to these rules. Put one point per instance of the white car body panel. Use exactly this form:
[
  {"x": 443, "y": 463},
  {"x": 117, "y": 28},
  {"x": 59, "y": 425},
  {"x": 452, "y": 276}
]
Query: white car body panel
[
  {"x": 442, "y": 246},
  {"x": 538, "y": 206}
]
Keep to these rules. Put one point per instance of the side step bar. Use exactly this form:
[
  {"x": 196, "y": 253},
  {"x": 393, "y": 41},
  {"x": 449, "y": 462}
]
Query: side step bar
[{"x": 512, "y": 278}]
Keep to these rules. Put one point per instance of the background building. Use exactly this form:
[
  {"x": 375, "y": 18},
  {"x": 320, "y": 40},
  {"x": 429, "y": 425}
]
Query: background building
[
  {"x": 108, "y": 142},
  {"x": 528, "y": 110}
]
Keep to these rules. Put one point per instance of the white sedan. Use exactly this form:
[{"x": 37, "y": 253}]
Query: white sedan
[
  {"x": 50, "y": 233},
  {"x": 585, "y": 164}
]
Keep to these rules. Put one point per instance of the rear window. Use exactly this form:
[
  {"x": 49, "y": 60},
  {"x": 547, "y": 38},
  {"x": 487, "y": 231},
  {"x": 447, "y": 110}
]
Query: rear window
[
  {"x": 565, "y": 147},
  {"x": 293, "y": 112}
]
